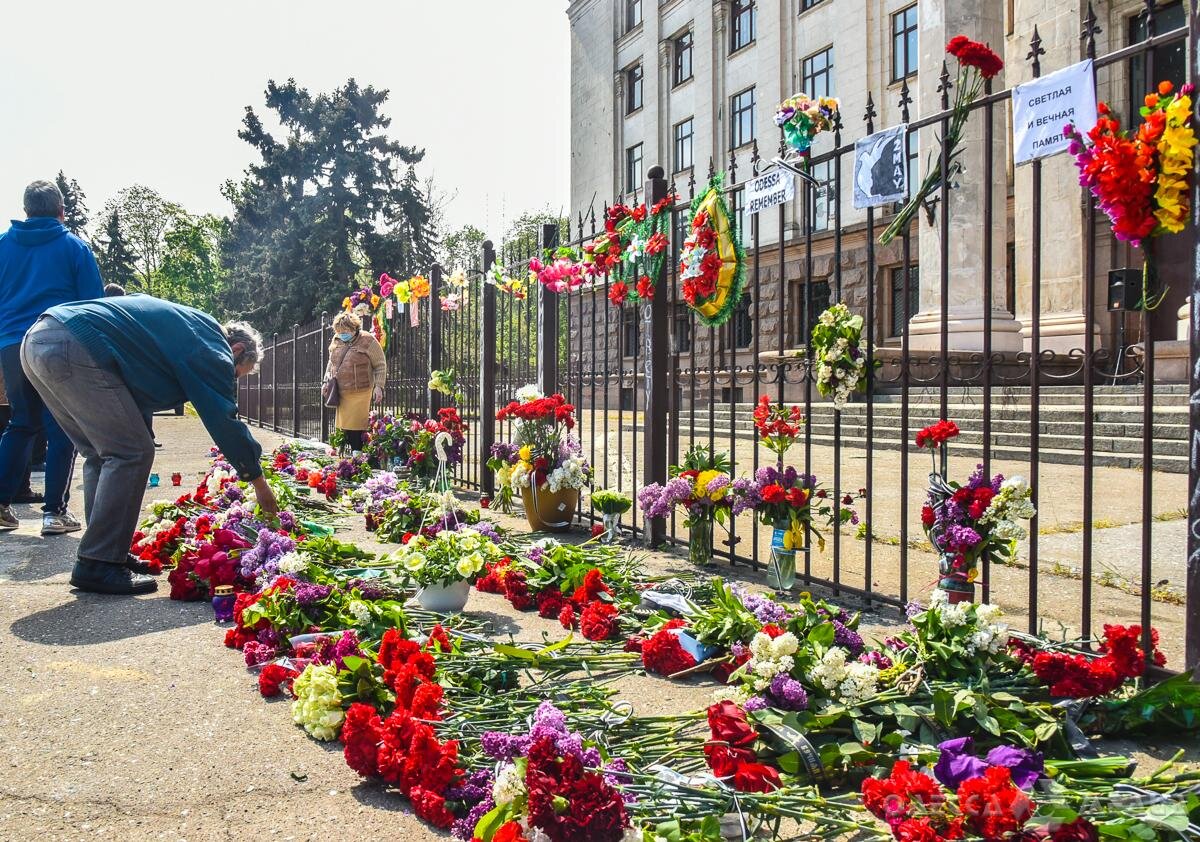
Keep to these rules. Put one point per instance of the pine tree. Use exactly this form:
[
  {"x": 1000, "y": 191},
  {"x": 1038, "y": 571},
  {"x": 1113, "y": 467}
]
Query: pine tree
[
  {"x": 75, "y": 212},
  {"x": 113, "y": 255}
]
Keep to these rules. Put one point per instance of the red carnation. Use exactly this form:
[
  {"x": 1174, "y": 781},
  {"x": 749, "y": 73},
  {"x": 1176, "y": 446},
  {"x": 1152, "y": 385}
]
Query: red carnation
[
  {"x": 1080, "y": 830},
  {"x": 928, "y": 516},
  {"x": 663, "y": 654},
  {"x": 550, "y": 603},
  {"x": 360, "y": 736},
  {"x": 566, "y": 615},
  {"x": 993, "y": 805},
  {"x": 618, "y": 292},
  {"x": 645, "y": 288},
  {"x": 598, "y": 620},
  {"x": 273, "y": 677},
  {"x": 724, "y": 760},
  {"x": 729, "y": 724},
  {"x": 974, "y": 54}
]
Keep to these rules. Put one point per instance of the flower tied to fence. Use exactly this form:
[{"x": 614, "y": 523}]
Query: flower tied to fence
[
  {"x": 712, "y": 264},
  {"x": 977, "y": 63},
  {"x": 802, "y": 118}
]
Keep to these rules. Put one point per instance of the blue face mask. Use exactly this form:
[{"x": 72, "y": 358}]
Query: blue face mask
[{"x": 345, "y": 337}]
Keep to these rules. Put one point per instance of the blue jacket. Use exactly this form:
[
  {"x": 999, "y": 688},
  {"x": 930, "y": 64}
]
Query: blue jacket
[
  {"x": 41, "y": 264},
  {"x": 168, "y": 353}
]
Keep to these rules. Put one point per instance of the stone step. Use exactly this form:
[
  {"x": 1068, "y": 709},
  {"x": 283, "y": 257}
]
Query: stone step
[{"x": 1171, "y": 420}]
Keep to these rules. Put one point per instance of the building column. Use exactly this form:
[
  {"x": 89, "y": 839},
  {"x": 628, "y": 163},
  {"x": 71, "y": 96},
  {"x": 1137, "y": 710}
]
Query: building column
[
  {"x": 1063, "y": 321},
  {"x": 619, "y": 134},
  {"x": 665, "y": 156},
  {"x": 981, "y": 20}
]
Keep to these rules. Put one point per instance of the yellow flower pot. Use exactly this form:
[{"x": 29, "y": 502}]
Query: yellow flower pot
[{"x": 550, "y": 511}]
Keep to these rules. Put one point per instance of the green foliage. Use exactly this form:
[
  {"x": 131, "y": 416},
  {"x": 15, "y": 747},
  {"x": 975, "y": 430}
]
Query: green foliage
[
  {"x": 191, "y": 271},
  {"x": 611, "y": 502},
  {"x": 75, "y": 212},
  {"x": 114, "y": 256},
  {"x": 144, "y": 218},
  {"x": 463, "y": 249},
  {"x": 332, "y": 196}
]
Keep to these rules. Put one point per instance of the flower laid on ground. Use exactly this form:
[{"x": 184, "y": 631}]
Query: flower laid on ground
[
  {"x": 318, "y": 704},
  {"x": 1078, "y": 676},
  {"x": 802, "y": 118},
  {"x": 547, "y": 454},
  {"x": 840, "y": 354},
  {"x": 446, "y": 558},
  {"x": 662, "y": 652},
  {"x": 955, "y": 639},
  {"x": 977, "y": 63},
  {"x": 730, "y": 752}
]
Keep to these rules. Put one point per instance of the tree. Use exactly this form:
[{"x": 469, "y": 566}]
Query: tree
[
  {"x": 75, "y": 212},
  {"x": 113, "y": 255},
  {"x": 145, "y": 217},
  {"x": 191, "y": 271},
  {"x": 331, "y": 197},
  {"x": 524, "y": 235},
  {"x": 463, "y": 249}
]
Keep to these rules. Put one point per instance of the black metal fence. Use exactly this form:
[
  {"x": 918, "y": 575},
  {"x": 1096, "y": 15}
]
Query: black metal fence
[{"x": 649, "y": 382}]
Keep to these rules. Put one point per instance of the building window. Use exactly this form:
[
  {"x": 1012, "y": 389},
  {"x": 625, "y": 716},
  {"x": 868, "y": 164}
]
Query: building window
[
  {"x": 683, "y": 330},
  {"x": 683, "y": 145},
  {"x": 737, "y": 206},
  {"x": 743, "y": 324},
  {"x": 741, "y": 118},
  {"x": 633, "y": 14},
  {"x": 805, "y": 5},
  {"x": 914, "y": 174},
  {"x": 630, "y": 332},
  {"x": 633, "y": 89},
  {"x": 904, "y": 43},
  {"x": 633, "y": 168},
  {"x": 902, "y": 313},
  {"x": 680, "y": 230},
  {"x": 1170, "y": 61},
  {"x": 822, "y": 196},
  {"x": 683, "y": 58},
  {"x": 800, "y": 328},
  {"x": 816, "y": 73},
  {"x": 745, "y": 19}
]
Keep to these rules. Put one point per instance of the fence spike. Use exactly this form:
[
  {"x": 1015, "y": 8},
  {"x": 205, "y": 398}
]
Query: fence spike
[
  {"x": 905, "y": 100},
  {"x": 944, "y": 85},
  {"x": 869, "y": 116},
  {"x": 1036, "y": 52}
]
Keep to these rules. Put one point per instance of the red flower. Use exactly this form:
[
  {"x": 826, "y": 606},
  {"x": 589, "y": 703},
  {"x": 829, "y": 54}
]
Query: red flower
[
  {"x": 773, "y": 493},
  {"x": 598, "y": 620},
  {"x": 724, "y": 760},
  {"x": 618, "y": 292},
  {"x": 993, "y": 805},
  {"x": 937, "y": 434},
  {"x": 656, "y": 243},
  {"x": 927, "y": 516},
  {"x": 430, "y": 807},
  {"x": 773, "y": 631},
  {"x": 729, "y": 724},
  {"x": 550, "y": 603},
  {"x": 974, "y": 54},
  {"x": 361, "y": 736},
  {"x": 593, "y": 585},
  {"x": 663, "y": 654},
  {"x": 897, "y": 796},
  {"x": 566, "y": 616},
  {"x": 597, "y": 530},
  {"x": 272, "y": 679},
  {"x": 516, "y": 591},
  {"x": 798, "y": 497},
  {"x": 645, "y": 288},
  {"x": 509, "y": 832},
  {"x": 755, "y": 777},
  {"x": 1080, "y": 830}
]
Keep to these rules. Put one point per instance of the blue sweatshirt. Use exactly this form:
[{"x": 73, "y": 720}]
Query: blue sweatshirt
[
  {"x": 41, "y": 264},
  {"x": 168, "y": 353}
]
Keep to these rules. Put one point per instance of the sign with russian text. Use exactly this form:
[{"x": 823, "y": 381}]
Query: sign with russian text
[
  {"x": 1042, "y": 109},
  {"x": 881, "y": 168},
  {"x": 770, "y": 190}
]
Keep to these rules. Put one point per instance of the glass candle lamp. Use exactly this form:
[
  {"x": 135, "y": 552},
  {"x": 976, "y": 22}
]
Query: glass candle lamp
[{"x": 222, "y": 603}]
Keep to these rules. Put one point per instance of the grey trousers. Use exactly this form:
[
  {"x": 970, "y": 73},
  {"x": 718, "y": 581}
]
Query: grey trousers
[{"x": 97, "y": 412}]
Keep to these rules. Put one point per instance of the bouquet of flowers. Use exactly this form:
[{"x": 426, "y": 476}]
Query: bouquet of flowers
[
  {"x": 970, "y": 523},
  {"x": 700, "y": 486},
  {"x": 778, "y": 426},
  {"x": 788, "y": 499},
  {"x": 802, "y": 118},
  {"x": 712, "y": 262},
  {"x": 387, "y": 438},
  {"x": 976, "y": 64},
  {"x": 611, "y": 504},
  {"x": 952, "y": 640},
  {"x": 430, "y": 442},
  {"x": 840, "y": 354},
  {"x": 547, "y": 454},
  {"x": 1141, "y": 182},
  {"x": 445, "y": 381},
  {"x": 447, "y": 557}
]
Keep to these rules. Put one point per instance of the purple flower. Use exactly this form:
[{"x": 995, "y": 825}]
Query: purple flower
[
  {"x": 956, "y": 763},
  {"x": 1026, "y": 766},
  {"x": 913, "y": 609},
  {"x": 500, "y": 746},
  {"x": 876, "y": 659},
  {"x": 551, "y": 717},
  {"x": 487, "y": 530},
  {"x": 257, "y": 653},
  {"x": 754, "y": 703},
  {"x": 464, "y": 828},
  {"x": 847, "y": 638},
  {"x": 536, "y": 554},
  {"x": 591, "y": 757},
  {"x": 367, "y": 590},
  {"x": 764, "y": 610},
  {"x": 788, "y": 693},
  {"x": 307, "y": 594},
  {"x": 960, "y": 539}
]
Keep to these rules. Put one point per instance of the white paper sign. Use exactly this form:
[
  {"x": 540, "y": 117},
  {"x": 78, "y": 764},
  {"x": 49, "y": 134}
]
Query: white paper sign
[
  {"x": 1043, "y": 107},
  {"x": 881, "y": 168},
  {"x": 770, "y": 190}
]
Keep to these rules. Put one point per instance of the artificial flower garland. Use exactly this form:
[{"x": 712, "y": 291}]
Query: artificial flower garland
[{"x": 712, "y": 263}]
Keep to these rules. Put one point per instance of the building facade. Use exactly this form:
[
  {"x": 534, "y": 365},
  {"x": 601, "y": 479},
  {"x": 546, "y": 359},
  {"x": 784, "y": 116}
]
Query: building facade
[{"x": 692, "y": 86}]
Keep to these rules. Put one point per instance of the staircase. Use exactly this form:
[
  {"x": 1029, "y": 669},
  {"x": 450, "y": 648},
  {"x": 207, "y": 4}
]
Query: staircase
[{"x": 1116, "y": 427}]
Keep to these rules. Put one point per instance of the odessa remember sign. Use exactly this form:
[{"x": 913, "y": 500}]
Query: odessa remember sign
[
  {"x": 769, "y": 190},
  {"x": 1042, "y": 109}
]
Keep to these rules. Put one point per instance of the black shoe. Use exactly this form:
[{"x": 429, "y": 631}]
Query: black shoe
[
  {"x": 157, "y": 443},
  {"x": 103, "y": 577},
  {"x": 135, "y": 565},
  {"x": 29, "y": 497}
]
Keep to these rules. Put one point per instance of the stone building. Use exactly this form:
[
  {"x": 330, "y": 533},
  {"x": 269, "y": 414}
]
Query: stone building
[{"x": 692, "y": 85}]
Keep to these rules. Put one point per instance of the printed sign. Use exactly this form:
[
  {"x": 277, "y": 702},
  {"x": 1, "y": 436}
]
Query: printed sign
[
  {"x": 770, "y": 190},
  {"x": 881, "y": 168},
  {"x": 1043, "y": 107}
]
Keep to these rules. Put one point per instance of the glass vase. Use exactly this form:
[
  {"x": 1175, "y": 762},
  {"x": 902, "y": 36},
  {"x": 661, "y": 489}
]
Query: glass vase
[
  {"x": 612, "y": 527},
  {"x": 700, "y": 542},
  {"x": 781, "y": 569},
  {"x": 952, "y": 580}
]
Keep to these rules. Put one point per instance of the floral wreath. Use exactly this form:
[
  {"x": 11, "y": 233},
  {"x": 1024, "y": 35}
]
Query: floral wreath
[
  {"x": 712, "y": 263},
  {"x": 372, "y": 309},
  {"x": 840, "y": 354}
]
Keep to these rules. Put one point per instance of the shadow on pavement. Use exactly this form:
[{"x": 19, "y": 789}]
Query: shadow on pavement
[
  {"x": 31, "y": 558},
  {"x": 94, "y": 618}
]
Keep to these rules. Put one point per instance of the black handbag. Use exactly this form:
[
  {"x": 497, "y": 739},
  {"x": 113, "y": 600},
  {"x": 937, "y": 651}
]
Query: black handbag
[{"x": 329, "y": 392}]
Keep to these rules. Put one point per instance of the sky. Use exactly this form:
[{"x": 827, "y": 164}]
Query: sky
[{"x": 132, "y": 91}]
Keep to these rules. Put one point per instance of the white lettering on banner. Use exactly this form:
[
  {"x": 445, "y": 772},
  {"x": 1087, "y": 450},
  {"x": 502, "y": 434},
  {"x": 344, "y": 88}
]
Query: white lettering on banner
[
  {"x": 881, "y": 168},
  {"x": 1043, "y": 107},
  {"x": 770, "y": 190}
]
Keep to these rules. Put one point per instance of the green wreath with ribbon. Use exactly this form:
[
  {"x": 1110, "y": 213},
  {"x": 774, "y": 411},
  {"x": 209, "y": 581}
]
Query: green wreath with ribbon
[{"x": 712, "y": 263}]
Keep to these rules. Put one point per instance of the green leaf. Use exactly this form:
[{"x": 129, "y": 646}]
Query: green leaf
[
  {"x": 515, "y": 652},
  {"x": 353, "y": 662},
  {"x": 867, "y": 733}
]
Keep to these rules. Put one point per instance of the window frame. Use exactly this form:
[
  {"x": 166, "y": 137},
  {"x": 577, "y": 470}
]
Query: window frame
[
  {"x": 826, "y": 72},
  {"x": 630, "y": 320},
  {"x": 677, "y": 139},
  {"x": 900, "y": 36},
  {"x": 805, "y": 5},
  {"x": 634, "y": 184},
  {"x": 633, "y": 14},
  {"x": 635, "y": 79},
  {"x": 894, "y": 274},
  {"x": 677, "y": 58},
  {"x": 826, "y": 180},
  {"x": 742, "y": 323},
  {"x": 735, "y": 115},
  {"x": 740, "y": 12}
]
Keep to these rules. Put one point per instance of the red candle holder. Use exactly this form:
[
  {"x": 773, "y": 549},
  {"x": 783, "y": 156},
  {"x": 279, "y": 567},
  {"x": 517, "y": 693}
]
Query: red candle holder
[{"x": 176, "y": 478}]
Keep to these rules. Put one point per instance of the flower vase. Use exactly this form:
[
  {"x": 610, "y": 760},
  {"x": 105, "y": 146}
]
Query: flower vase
[
  {"x": 549, "y": 511},
  {"x": 612, "y": 527},
  {"x": 781, "y": 570},
  {"x": 700, "y": 542},
  {"x": 445, "y": 599},
  {"x": 954, "y": 581}
]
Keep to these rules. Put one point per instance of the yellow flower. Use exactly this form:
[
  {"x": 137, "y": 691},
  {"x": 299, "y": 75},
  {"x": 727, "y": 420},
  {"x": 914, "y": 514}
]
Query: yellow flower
[
  {"x": 702, "y": 481},
  {"x": 526, "y": 453}
]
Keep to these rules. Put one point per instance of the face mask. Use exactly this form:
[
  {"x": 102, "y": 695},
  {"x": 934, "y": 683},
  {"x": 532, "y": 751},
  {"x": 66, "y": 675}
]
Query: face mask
[{"x": 345, "y": 337}]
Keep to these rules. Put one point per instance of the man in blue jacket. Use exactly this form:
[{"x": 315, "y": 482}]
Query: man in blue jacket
[
  {"x": 41, "y": 264},
  {"x": 100, "y": 365}
]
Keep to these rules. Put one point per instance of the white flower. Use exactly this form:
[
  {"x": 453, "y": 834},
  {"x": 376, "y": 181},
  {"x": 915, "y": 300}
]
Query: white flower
[
  {"x": 954, "y": 615},
  {"x": 360, "y": 611},
  {"x": 291, "y": 563},
  {"x": 988, "y": 613},
  {"x": 861, "y": 683},
  {"x": 528, "y": 393},
  {"x": 785, "y": 644},
  {"x": 413, "y": 562},
  {"x": 830, "y": 671},
  {"x": 509, "y": 785}
]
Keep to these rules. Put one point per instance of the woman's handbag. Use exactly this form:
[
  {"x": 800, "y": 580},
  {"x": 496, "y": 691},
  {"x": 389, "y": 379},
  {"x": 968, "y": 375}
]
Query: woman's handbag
[{"x": 329, "y": 392}]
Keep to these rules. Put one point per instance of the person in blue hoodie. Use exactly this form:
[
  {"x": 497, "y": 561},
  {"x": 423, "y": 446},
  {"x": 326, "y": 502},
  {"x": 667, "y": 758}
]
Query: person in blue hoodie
[
  {"x": 100, "y": 366},
  {"x": 42, "y": 264}
]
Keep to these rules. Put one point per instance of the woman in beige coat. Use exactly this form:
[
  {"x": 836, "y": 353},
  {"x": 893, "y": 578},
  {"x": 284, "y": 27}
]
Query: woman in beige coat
[{"x": 356, "y": 361}]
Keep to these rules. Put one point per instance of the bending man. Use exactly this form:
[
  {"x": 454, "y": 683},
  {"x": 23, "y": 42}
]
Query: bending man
[{"x": 100, "y": 365}]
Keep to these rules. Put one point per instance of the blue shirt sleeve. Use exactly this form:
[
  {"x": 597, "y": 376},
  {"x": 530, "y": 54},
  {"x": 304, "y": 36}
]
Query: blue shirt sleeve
[
  {"x": 208, "y": 381},
  {"x": 87, "y": 275}
]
